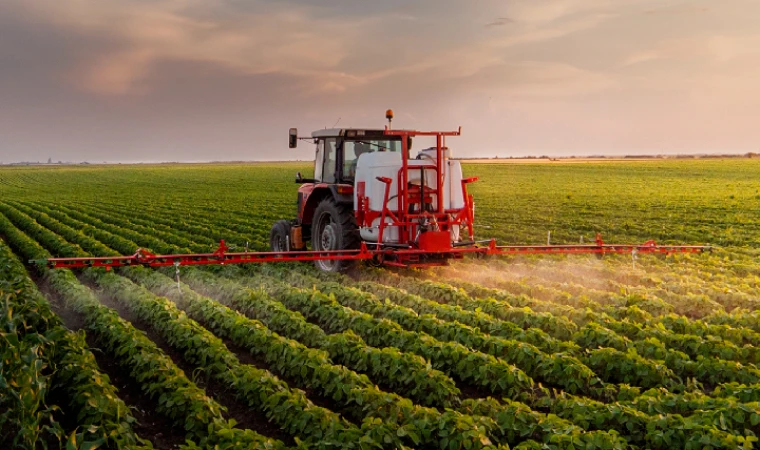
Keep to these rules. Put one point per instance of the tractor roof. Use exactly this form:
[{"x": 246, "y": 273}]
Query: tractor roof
[{"x": 338, "y": 132}]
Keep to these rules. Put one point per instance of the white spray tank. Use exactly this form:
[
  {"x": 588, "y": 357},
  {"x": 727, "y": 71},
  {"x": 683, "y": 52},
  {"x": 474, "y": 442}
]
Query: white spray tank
[
  {"x": 452, "y": 176},
  {"x": 452, "y": 181},
  {"x": 372, "y": 165}
]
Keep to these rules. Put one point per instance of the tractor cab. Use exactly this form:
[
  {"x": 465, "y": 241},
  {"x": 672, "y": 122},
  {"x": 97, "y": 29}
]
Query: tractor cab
[{"x": 338, "y": 151}]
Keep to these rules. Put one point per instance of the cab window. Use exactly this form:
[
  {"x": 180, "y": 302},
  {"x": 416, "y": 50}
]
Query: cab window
[
  {"x": 318, "y": 160},
  {"x": 329, "y": 162},
  {"x": 352, "y": 149},
  {"x": 351, "y": 152}
]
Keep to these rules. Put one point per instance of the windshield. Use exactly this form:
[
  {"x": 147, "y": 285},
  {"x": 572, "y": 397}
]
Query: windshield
[{"x": 375, "y": 145}]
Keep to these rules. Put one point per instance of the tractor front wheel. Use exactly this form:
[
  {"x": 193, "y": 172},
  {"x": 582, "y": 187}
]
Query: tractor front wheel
[
  {"x": 279, "y": 237},
  {"x": 334, "y": 228}
]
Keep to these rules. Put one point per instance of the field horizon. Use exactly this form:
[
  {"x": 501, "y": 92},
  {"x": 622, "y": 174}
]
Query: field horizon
[{"x": 470, "y": 160}]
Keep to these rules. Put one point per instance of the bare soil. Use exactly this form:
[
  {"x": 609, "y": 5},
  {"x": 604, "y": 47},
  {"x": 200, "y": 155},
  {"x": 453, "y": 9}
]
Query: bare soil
[
  {"x": 150, "y": 425},
  {"x": 246, "y": 357},
  {"x": 245, "y": 416}
]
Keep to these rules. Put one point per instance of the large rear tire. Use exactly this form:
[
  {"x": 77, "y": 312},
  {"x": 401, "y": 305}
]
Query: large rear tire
[
  {"x": 334, "y": 228},
  {"x": 279, "y": 236}
]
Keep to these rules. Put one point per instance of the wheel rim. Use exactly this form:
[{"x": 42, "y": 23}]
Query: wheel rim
[{"x": 328, "y": 240}]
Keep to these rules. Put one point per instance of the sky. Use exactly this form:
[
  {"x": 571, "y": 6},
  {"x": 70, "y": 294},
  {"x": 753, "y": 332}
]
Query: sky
[{"x": 208, "y": 80}]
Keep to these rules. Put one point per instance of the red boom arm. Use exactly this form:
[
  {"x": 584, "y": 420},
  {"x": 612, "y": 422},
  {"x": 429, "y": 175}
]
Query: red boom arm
[{"x": 389, "y": 256}]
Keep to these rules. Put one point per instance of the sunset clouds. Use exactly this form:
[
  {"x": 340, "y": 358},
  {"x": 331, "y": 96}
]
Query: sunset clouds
[{"x": 206, "y": 80}]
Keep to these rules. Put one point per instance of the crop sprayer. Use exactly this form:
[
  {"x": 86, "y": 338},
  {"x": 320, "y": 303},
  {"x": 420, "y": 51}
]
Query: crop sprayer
[{"x": 370, "y": 200}]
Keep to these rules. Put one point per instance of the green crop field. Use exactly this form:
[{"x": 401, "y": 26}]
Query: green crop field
[{"x": 560, "y": 352}]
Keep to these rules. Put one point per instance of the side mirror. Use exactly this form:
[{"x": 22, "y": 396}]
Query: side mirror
[
  {"x": 293, "y": 138},
  {"x": 301, "y": 180}
]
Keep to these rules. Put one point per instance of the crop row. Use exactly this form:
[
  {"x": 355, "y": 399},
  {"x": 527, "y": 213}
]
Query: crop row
[
  {"x": 379, "y": 410},
  {"x": 710, "y": 370},
  {"x": 406, "y": 373},
  {"x": 35, "y": 343},
  {"x": 607, "y": 286},
  {"x": 547, "y": 294},
  {"x": 692, "y": 345},
  {"x": 195, "y": 226},
  {"x": 680, "y": 362},
  {"x": 172, "y": 224},
  {"x": 340, "y": 384},
  {"x": 588, "y": 438},
  {"x": 555, "y": 370},
  {"x": 740, "y": 335},
  {"x": 169, "y": 224},
  {"x": 555, "y": 432},
  {"x": 621, "y": 415},
  {"x": 93, "y": 237},
  {"x": 705, "y": 369},
  {"x": 240, "y": 227},
  {"x": 162, "y": 381},
  {"x": 497, "y": 376},
  {"x": 289, "y": 409},
  {"x": 421, "y": 377},
  {"x": 612, "y": 355},
  {"x": 146, "y": 228},
  {"x": 200, "y": 235},
  {"x": 661, "y": 431},
  {"x": 458, "y": 361}
]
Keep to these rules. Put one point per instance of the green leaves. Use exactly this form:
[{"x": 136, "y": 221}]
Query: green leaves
[
  {"x": 528, "y": 340},
  {"x": 452, "y": 358},
  {"x": 290, "y": 410},
  {"x": 63, "y": 365},
  {"x": 408, "y": 374}
]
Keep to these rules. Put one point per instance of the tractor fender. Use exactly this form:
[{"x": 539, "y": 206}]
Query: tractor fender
[
  {"x": 310, "y": 195},
  {"x": 342, "y": 198}
]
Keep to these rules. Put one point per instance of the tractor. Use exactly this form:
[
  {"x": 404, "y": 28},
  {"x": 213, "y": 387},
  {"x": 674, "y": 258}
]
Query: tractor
[{"x": 370, "y": 187}]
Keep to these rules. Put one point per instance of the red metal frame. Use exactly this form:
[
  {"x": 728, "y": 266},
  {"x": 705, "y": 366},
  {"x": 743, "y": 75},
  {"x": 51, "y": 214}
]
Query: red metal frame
[
  {"x": 405, "y": 220},
  {"x": 425, "y": 230},
  {"x": 439, "y": 255}
]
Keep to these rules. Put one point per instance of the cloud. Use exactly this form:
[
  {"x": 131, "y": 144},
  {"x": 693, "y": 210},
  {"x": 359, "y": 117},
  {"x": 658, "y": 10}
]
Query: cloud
[
  {"x": 160, "y": 31},
  {"x": 678, "y": 9},
  {"x": 192, "y": 77},
  {"x": 295, "y": 39},
  {"x": 707, "y": 49},
  {"x": 539, "y": 79},
  {"x": 542, "y": 12},
  {"x": 725, "y": 48},
  {"x": 500, "y": 21},
  {"x": 554, "y": 30},
  {"x": 116, "y": 73},
  {"x": 644, "y": 56}
]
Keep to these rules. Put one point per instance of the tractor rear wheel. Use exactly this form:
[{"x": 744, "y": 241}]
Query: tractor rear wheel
[
  {"x": 279, "y": 237},
  {"x": 334, "y": 228}
]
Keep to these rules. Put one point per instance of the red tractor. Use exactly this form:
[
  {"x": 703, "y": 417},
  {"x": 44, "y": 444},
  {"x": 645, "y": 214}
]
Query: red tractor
[{"x": 369, "y": 187}]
